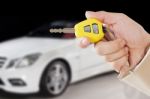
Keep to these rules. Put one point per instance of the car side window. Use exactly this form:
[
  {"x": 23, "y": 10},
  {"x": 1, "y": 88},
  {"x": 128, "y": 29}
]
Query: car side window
[
  {"x": 87, "y": 28},
  {"x": 95, "y": 28}
]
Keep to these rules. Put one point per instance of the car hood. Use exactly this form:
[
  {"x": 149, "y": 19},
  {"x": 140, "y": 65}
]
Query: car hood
[{"x": 27, "y": 45}]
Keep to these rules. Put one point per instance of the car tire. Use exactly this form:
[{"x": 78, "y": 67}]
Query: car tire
[{"x": 55, "y": 79}]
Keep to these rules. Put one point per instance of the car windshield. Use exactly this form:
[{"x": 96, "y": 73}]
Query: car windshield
[{"x": 44, "y": 32}]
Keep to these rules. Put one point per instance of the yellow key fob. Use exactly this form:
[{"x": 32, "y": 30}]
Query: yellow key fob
[{"x": 90, "y": 28}]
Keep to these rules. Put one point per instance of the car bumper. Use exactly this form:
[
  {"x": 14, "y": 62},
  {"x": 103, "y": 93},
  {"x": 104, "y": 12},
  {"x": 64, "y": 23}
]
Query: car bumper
[{"x": 19, "y": 80}]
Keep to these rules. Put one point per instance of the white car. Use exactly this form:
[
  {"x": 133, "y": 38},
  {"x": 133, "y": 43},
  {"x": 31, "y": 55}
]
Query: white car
[{"x": 46, "y": 62}]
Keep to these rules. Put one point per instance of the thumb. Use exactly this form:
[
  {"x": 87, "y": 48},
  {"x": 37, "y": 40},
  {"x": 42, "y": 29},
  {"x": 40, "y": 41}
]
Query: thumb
[{"x": 84, "y": 42}]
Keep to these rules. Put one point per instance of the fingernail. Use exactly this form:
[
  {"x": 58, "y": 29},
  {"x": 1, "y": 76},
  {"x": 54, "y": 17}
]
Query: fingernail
[
  {"x": 89, "y": 11},
  {"x": 119, "y": 76},
  {"x": 85, "y": 42},
  {"x": 123, "y": 74}
]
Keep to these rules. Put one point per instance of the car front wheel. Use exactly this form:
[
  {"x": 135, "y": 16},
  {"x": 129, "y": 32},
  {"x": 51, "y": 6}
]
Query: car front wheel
[{"x": 55, "y": 78}]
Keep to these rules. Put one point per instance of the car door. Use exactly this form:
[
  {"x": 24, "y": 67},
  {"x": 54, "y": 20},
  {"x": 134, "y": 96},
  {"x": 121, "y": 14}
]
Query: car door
[{"x": 89, "y": 57}]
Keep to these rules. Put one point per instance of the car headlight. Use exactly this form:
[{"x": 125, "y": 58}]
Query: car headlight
[{"x": 26, "y": 61}]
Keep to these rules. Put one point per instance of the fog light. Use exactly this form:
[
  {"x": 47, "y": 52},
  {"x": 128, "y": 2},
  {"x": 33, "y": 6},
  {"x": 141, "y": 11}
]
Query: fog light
[{"x": 17, "y": 82}]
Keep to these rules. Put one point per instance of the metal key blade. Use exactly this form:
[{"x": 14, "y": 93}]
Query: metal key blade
[{"x": 64, "y": 30}]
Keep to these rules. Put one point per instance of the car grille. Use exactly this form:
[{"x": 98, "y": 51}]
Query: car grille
[{"x": 2, "y": 61}]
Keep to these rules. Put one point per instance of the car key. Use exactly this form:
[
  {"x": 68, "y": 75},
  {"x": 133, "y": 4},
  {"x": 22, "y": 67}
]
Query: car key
[
  {"x": 91, "y": 28},
  {"x": 94, "y": 30}
]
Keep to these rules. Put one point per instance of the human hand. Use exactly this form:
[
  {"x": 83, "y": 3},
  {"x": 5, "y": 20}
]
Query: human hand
[{"x": 130, "y": 45}]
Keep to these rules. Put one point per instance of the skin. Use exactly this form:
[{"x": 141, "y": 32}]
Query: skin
[{"x": 130, "y": 45}]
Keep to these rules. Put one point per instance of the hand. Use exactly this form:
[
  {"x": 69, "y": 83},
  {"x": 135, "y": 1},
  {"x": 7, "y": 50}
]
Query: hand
[{"x": 130, "y": 45}]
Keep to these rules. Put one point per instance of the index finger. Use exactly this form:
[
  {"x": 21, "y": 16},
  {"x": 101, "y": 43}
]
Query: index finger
[{"x": 105, "y": 17}]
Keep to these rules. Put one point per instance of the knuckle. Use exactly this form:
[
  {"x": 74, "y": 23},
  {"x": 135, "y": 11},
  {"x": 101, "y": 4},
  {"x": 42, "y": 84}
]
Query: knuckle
[
  {"x": 120, "y": 44},
  {"x": 98, "y": 51},
  {"x": 121, "y": 16},
  {"x": 122, "y": 52},
  {"x": 117, "y": 43},
  {"x": 125, "y": 51},
  {"x": 117, "y": 65},
  {"x": 108, "y": 58},
  {"x": 121, "y": 62}
]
